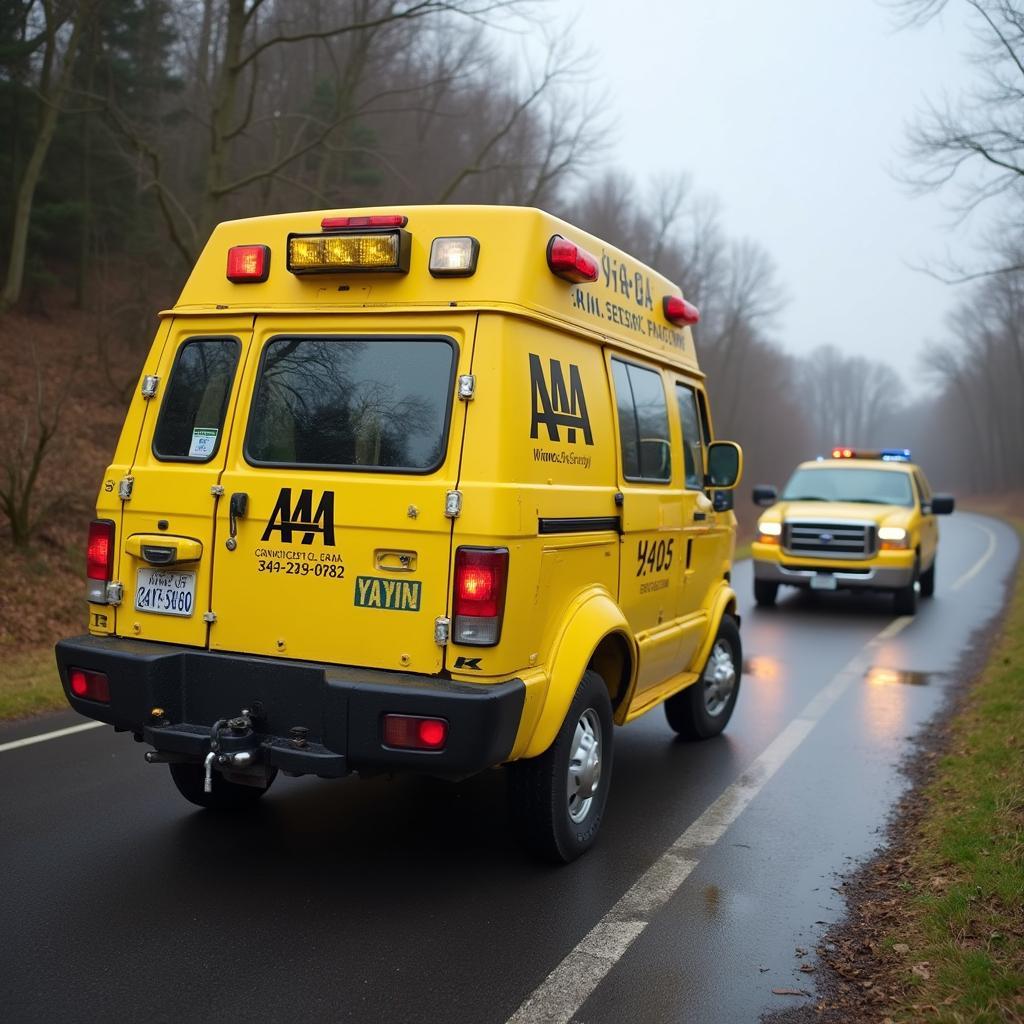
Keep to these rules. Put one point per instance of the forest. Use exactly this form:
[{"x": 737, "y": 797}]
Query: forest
[{"x": 134, "y": 126}]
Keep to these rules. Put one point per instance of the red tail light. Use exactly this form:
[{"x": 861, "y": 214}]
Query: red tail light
[
  {"x": 679, "y": 311},
  {"x": 481, "y": 576},
  {"x": 376, "y": 220},
  {"x": 411, "y": 732},
  {"x": 248, "y": 264},
  {"x": 99, "y": 558},
  {"x": 89, "y": 685},
  {"x": 569, "y": 262}
]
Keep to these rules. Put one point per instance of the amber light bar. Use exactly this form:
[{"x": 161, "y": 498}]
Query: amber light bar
[{"x": 351, "y": 252}]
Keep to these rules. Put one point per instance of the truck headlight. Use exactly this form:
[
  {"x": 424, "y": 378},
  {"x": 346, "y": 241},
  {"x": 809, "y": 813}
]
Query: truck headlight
[
  {"x": 893, "y": 538},
  {"x": 769, "y": 533}
]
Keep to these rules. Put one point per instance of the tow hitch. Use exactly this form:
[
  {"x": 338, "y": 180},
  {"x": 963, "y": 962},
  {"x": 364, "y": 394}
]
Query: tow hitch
[{"x": 234, "y": 747}]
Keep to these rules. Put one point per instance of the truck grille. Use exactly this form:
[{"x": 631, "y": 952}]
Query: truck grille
[{"x": 836, "y": 539}]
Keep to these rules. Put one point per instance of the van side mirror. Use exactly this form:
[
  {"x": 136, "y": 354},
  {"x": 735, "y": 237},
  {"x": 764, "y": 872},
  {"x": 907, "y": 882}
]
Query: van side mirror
[
  {"x": 721, "y": 501},
  {"x": 725, "y": 465},
  {"x": 765, "y": 495},
  {"x": 942, "y": 504}
]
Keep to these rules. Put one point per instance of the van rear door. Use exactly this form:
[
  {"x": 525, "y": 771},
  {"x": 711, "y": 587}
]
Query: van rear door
[
  {"x": 333, "y": 542},
  {"x": 167, "y": 526}
]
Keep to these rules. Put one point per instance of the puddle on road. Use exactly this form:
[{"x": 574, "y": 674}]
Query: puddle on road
[
  {"x": 878, "y": 676},
  {"x": 762, "y": 667}
]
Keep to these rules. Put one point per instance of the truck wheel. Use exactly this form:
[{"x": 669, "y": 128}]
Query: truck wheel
[
  {"x": 226, "y": 796},
  {"x": 558, "y": 798},
  {"x": 928, "y": 582},
  {"x": 765, "y": 592},
  {"x": 904, "y": 600},
  {"x": 703, "y": 708}
]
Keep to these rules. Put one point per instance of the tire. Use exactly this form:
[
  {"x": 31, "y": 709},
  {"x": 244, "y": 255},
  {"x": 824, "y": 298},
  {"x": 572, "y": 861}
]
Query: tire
[
  {"x": 704, "y": 708},
  {"x": 765, "y": 592},
  {"x": 904, "y": 600},
  {"x": 928, "y": 582},
  {"x": 556, "y": 822},
  {"x": 226, "y": 796}
]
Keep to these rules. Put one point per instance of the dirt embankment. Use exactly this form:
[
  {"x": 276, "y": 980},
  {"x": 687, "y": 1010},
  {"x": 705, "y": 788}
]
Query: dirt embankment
[{"x": 69, "y": 365}]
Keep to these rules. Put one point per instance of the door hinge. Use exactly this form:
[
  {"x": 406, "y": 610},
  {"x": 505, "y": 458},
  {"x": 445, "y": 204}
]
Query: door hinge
[
  {"x": 124, "y": 488},
  {"x": 149, "y": 385},
  {"x": 210, "y": 617},
  {"x": 453, "y": 504},
  {"x": 115, "y": 593},
  {"x": 217, "y": 490},
  {"x": 467, "y": 386},
  {"x": 442, "y": 629}
]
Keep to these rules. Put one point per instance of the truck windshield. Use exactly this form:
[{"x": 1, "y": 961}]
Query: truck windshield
[
  {"x": 352, "y": 403},
  {"x": 865, "y": 486}
]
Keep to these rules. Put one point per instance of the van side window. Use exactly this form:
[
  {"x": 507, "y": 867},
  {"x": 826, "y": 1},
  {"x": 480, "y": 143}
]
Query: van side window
[
  {"x": 353, "y": 403},
  {"x": 643, "y": 422},
  {"x": 191, "y": 417},
  {"x": 693, "y": 446}
]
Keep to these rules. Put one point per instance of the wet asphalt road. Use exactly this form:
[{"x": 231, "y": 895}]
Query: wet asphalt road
[{"x": 410, "y": 901}]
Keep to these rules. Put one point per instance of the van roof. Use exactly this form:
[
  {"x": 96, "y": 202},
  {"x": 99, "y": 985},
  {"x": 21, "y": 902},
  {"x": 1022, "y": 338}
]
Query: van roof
[{"x": 512, "y": 275}]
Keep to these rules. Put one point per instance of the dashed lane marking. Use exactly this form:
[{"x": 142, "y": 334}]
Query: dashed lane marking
[
  {"x": 44, "y": 736},
  {"x": 567, "y": 987}
]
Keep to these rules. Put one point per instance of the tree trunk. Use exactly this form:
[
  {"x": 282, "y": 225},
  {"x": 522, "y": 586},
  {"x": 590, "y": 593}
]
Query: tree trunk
[{"x": 51, "y": 101}]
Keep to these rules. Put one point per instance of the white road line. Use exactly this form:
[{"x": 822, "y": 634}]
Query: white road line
[
  {"x": 567, "y": 987},
  {"x": 980, "y": 564},
  {"x": 56, "y": 734}
]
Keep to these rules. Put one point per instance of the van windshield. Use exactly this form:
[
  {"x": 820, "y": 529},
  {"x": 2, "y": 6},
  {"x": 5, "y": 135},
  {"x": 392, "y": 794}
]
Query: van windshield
[
  {"x": 866, "y": 486},
  {"x": 352, "y": 403}
]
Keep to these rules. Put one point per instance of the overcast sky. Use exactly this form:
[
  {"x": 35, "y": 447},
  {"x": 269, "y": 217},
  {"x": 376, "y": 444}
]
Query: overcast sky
[{"x": 793, "y": 113}]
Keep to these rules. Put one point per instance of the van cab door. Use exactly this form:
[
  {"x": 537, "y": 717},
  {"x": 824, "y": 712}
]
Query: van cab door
[
  {"x": 333, "y": 542},
  {"x": 707, "y": 534},
  {"x": 167, "y": 525}
]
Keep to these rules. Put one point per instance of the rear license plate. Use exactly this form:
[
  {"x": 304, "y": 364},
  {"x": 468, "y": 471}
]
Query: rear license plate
[
  {"x": 165, "y": 592},
  {"x": 823, "y": 582}
]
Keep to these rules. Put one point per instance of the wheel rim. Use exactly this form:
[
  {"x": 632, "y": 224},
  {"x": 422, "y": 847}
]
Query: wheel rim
[
  {"x": 584, "y": 765},
  {"x": 719, "y": 679}
]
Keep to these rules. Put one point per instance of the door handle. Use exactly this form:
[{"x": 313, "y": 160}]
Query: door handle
[{"x": 237, "y": 508}]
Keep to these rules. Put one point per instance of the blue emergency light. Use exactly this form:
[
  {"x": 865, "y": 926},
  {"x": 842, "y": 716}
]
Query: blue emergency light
[{"x": 895, "y": 454}]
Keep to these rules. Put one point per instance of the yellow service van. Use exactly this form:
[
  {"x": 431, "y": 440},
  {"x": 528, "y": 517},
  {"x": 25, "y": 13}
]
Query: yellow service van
[
  {"x": 860, "y": 520},
  {"x": 432, "y": 490}
]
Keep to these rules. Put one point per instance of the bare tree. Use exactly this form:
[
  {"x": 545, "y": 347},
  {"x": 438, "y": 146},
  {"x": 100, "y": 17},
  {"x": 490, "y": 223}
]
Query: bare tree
[{"x": 52, "y": 32}]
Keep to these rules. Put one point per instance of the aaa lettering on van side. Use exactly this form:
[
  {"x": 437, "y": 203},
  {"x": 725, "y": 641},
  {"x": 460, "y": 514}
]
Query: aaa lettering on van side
[
  {"x": 287, "y": 519},
  {"x": 558, "y": 404}
]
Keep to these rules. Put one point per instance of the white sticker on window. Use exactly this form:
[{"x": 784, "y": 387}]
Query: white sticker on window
[{"x": 204, "y": 440}]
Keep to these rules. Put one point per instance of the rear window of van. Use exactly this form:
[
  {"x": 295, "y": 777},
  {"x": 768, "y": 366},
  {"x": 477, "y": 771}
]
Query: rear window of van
[{"x": 354, "y": 403}]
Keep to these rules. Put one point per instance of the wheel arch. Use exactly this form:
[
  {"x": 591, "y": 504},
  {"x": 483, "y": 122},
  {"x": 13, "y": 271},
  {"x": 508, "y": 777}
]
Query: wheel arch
[{"x": 596, "y": 636}]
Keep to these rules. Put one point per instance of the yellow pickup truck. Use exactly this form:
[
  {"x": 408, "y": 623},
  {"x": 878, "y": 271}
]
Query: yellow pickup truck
[{"x": 861, "y": 520}]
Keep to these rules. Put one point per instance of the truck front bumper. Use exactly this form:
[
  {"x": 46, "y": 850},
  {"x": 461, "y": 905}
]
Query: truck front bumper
[
  {"x": 846, "y": 576},
  {"x": 308, "y": 717}
]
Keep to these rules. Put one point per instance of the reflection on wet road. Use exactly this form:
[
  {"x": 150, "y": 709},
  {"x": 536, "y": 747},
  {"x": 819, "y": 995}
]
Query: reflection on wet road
[{"x": 409, "y": 900}]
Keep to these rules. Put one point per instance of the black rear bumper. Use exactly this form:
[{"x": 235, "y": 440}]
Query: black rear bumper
[{"x": 340, "y": 707}]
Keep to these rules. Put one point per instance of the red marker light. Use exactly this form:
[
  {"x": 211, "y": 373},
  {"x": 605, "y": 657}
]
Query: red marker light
[
  {"x": 376, "y": 220},
  {"x": 248, "y": 264},
  {"x": 89, "y": 685},
  {"x": 679, "y": 311},
  {"x": 569, "y": 262},
  {"x": 413, "y": 732}
]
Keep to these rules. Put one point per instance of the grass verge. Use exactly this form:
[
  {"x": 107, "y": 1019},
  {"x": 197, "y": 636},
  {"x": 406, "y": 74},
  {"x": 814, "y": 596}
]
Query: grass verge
[
  {"x": 29, "y": 684},
  {"x": 960, "y": 945}
]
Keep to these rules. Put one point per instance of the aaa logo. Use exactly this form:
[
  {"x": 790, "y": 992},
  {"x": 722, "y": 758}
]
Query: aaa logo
[
  {"x": 287, "y": 518},
  {"x": 558, "y": 405}
]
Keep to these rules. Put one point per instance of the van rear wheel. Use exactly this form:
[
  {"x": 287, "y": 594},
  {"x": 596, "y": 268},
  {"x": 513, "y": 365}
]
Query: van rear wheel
[
  {"x": 558, "y": 799},
  {"x": 225, "y": 795},
  {"x": 704, "y": 708}
]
